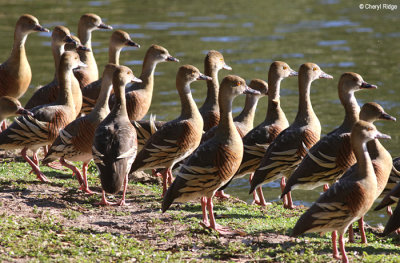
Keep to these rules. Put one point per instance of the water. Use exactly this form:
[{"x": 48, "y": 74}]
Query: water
[{"x": 335, "y": 34}]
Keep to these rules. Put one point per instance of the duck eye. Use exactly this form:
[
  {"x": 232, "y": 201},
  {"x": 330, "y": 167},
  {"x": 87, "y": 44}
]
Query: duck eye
[
  {"x": 370, "y": 129},
  {"x": 221, "y": 59},
  {"x": 284, "y": 67},
  {"x": 314, "y": 69},
  {"x": 238, "y": 83}
]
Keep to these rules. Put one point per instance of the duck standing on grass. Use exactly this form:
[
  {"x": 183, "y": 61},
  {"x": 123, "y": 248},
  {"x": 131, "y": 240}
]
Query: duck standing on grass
[
  {"x": 348, "y": 199},
  {"x": 285, "y": 153},
  {"x": 29, "y": 132},
  {"x": 256, "y": 142},
  {"x": 178, "y": 138},
  {"x": 215, "y": 161},
  {"x": 115, "y": 144},
  {"x": 75, "y": 141}
]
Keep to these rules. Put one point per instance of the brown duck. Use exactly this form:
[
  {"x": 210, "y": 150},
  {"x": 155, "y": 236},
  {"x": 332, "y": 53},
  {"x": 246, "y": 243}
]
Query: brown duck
[
  {"x": 215, "y": 161},
  {"x": 348, "y": 199},
  {"x": 114, "y": 144},
  {"x": 29, "y": 132},
  {"x": 285, "y": 153},
  {"x": 178, "y": 138}
]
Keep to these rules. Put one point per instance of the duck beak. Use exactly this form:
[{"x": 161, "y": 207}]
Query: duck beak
[
  {"x": 249, "y": 90},
  {"x": 22, "y": 111},
  {"x": 366, "y": 85},
  {"x": 379, "y": 135},
  {"x": 226, "y": 67},
  {"x": 70, "y": 40},
  {"x": 132, "y": 44},
  {"x": 204, "y": 77},
  {"x": 385, "y": 116},
  {"x": 104, "y": 26},
  {"x": 135, "y": 79},
  {"x": 83, "y": 48},
  {"x": 171, "y": 58},
  {"x": 39, "y": 28},
  {"x": 293, "y": 73},
  {"x": 325, "y": 76}
]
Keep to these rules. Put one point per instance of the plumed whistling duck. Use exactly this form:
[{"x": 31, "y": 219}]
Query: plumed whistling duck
[
  {"x": 87, "y": 24},
  {"x": 380, "y": 157},
  {"x": 244, "y": 122},
  {"x": 32, "y": 132},
  {"x": 215, "y": 161},
  {"x": 15, "y": 72},
  {"x": 178, "y": 138},
  {"x": 213, "y": 63},
  {"x": 118, "y": 40},
  {"x": 114, "y": 144},
  {"x": 290, "y": 146},
  {"x": 348, "y": 199},
  {"x": 257, "y": 140}
]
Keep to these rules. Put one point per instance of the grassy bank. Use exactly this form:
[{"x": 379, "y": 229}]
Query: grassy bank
[{"x": 56, "y": 222}]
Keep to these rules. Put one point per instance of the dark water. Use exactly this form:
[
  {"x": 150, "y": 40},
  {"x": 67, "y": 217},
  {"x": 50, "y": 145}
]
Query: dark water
[{"x": 335, "y": 34}]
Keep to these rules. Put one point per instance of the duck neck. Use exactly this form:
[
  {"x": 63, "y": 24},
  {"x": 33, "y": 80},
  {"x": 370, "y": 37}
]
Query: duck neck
[
  {"x": 212, "y": 88},
  {"x": 119, "y": 108},
  {"x": 58, "y": 50},
  {"x": 85, "y": 36},
  {"x": 246, "y": 117},
  {"x": 65, "y": 94},
  {"x": 274, "y": 111},
  {"x": 101, "y": 108},
  {"x": 18, "y": 50},
  {"x": 352, "y": 110},
  {"x": 226, "y": 127},
  {"x": 305, "y": 111},
  {"x": 365, "y": 168},
  {"x": 189, "y": 107},
  {"x": 113, "y": 54},
  {"x": 377, "y": 151},
  {"x": 147, "y": 75}
]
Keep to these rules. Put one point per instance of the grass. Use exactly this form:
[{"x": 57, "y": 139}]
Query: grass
[{"x": 56, "y": 222}]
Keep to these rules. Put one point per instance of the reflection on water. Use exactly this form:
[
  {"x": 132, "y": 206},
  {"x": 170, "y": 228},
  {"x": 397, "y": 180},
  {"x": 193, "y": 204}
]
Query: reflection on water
[{"x": 335, "y": 34}]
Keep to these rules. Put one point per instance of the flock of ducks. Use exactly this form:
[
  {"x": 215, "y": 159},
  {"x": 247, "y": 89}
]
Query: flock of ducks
[{"x": 71, "y": 119}]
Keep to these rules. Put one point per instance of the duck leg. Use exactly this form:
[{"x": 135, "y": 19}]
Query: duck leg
[
  {"x": 156, "y": 173},
  {"x": 104, "y": 200},
  {"x": 85, "y": 186},
  {"x": 326, "y": 187},
  {"x": 213, "y": 225},
  {"x": 74, "y": 170},
  {"x": 258, "y": 195},
  {"x": 170, "y": 176},
  {"x": 164, "y": 181},
  {"x": 335, "y": 251},
  {"x": 122, "y": 201},
  {"x": 362, "y": 231},
  {"x": 287, "y": 203},
  {"x": 343, "y": 250},
  {"x": 205, "y": 223},
  {"x": 35, "y": 168}
]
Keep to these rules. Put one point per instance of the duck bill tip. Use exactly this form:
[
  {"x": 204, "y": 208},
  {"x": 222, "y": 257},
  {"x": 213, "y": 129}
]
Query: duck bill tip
[{"x": 227, "y": 67}]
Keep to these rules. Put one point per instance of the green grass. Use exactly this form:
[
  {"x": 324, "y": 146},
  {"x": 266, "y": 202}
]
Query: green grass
[{"x": 42, "y": 235}]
